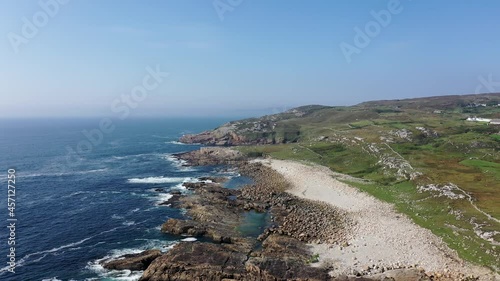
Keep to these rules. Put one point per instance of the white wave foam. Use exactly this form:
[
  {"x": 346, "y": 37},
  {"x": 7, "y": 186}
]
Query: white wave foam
[
  {"x": 150, "y": 209},
  {"x": 189, "y": 239},
  {"x": 40, "y": 258},
  {"x": 116, "y": 217},
  {"x": 94, "y": 171},
  {"x": 179, "y": 186},
  {"x": 161, "y": 137},
  {"x": 119, "y": 157},
  {"x": 122, "y": 275},
  {"x": 180, "y": 164},
  {"x": 23, "y": 260},
  {"x": 104, "y": 274},
  {"x": 157, "y": 180},
  {"x": 132, "y": 156},
  {"x": 75, "y": 193},
  {"x": 162, "y": 197},
  {"x": 34, "y": 175},
  {"x": 114, "y": 254},
  {"x": 52, "y": 279},
  {"x": 128, "y": 223},
  {"x": 177, "y": 142},
  {"x": 169, "y": 247}
]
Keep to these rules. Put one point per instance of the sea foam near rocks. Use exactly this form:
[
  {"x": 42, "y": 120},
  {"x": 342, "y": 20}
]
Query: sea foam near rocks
[{"x": 160, "y": 179}]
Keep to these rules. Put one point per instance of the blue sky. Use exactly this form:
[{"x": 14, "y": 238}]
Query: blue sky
[{"x": 263, "y": 57}]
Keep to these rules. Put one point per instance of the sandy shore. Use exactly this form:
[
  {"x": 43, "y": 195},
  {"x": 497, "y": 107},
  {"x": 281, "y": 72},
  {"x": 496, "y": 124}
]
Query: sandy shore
[{"x": 381, "y": 236}]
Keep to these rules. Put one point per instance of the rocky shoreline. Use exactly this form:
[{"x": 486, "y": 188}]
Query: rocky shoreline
[
  {"x": 280, "y": 252},
  {"x": 215, "y": 212}
]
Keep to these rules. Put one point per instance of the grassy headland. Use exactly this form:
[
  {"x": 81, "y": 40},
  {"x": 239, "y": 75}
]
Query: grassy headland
[{"x": 421, "y": 155}]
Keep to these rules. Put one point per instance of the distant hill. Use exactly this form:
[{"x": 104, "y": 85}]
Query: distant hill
[
  {"x": 438, "y": 102},
  {"x": 291, "y": 125}
]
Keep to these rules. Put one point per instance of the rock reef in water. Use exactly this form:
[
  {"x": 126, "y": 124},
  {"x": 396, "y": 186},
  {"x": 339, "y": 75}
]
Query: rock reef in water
[
  {"x": 216, "y": 212},
  {"x": 211, "y": 156},
  {"x": 139, "y": 261}
]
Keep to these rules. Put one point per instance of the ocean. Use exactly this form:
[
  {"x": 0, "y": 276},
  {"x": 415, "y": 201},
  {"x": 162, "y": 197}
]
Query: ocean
[{"x": 77, "y": 204}]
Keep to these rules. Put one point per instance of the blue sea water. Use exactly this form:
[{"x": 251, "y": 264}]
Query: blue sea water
[{"x": 73, "y": 210}]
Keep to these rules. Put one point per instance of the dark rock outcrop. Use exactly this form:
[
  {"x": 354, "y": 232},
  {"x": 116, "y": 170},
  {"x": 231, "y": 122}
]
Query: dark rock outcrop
[
  {"x": 174, "y": 200},
  {"x": 271, "y": 269},
  {"x": 197, "y": 261},
  {"x": 183, "y": 227},
  {"x": 211, "y": 156},
  {"x": 282, "y": 258},
  {"x": 223, "y": 136},
  {"x": 133, "y": 261}
]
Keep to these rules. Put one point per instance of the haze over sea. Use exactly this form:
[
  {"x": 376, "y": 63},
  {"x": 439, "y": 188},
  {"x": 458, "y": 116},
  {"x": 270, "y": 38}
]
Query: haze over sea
[{"x": 104, "y": 205}]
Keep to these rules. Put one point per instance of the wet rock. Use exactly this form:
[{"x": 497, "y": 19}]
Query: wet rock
[
  {"x": 211, "y": 156},
  {"x": 206, "y": 261},
  {"x": 199, "y": 185},
  {"x": 197, "y": 261},
  {"x": 179, "y": 227},
  {"x": 172, "y": 201},
  {"x": 133, "y": 261}
]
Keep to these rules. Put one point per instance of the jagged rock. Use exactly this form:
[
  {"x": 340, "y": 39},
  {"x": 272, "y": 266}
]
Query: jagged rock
[
  {"x": 222, "y": 136},
  {"x": 217, "y": 237},
  {"x": 197, "y": 261},
  {"x": 194, "y": 185},
  {"x": 174, "y": 200},
  {"x": 178, "y": 227},
  {"x": 211, "y": 156},
  {"x": 206, "y": 261},
  {"x": 133, "y": 261}
]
